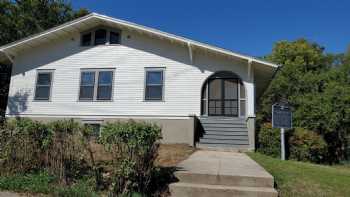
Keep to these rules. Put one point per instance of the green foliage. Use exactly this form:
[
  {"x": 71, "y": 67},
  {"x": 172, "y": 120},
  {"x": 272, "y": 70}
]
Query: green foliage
[
  {"x": 307, "y": 145},
  {"x": 31, "y": 182},
  {"x": 134, "y": 147},
  {"x": 22, "y": 142},
  {"x": 31, "y": 145},
  {"x": 317, "y": 86},
  {"x": 269, "y": 140},
  {"x": 21, "y": 18}
]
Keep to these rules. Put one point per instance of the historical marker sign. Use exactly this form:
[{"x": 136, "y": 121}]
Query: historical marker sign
[{"x": 281, "y": 116}]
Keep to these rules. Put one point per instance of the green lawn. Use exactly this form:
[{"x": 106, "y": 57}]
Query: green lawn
[{"x": 304, "y": 179}]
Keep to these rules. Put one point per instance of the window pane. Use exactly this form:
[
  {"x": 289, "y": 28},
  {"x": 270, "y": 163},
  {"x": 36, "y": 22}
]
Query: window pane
[
  {"x": 242, "y": 91},
  {"x": 231, "y": 89},
  {"x": 242, "y": 107},
  {"x": 215, "y": 89},
  {"x": 154, "y": 92},
  {"x": 86, "y": 92},
  {"x": 86, "y": 40},
  {"x": 154, "y": 77},
  {"x": 42, "y": 92},
  {"x": 44, "y": 79},
  {"x": 105, "y": 77},
  {"x": 104, "y": 92},
  {"x": 100, "y": 36},
  {"x": 88, "y": 78},
  {"x": 114, "y": 38}
]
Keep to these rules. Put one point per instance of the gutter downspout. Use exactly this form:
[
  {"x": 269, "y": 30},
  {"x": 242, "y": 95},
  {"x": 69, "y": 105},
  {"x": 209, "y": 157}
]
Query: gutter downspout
[
  {"x": 190, "y": 52},
  {"x": 8, "y": 56}
]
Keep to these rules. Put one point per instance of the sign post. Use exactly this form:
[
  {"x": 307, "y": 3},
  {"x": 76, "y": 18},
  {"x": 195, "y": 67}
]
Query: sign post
[{"x": 282, "y": 118}]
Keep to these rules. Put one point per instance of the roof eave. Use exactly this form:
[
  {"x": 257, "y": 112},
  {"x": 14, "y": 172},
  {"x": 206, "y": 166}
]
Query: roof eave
[{"x": 137, "y": 27}]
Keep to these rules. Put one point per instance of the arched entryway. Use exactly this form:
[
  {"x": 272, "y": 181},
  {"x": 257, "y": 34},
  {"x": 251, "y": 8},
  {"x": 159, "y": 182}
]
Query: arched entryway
[{"x": 223, "y": 94}]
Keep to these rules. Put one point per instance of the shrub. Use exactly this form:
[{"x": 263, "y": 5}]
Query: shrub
[
  {"x": 269, "y": 140},
  {"x": 306, "y": 145},
  {"x": 22, "y": 142},
  {"x": 134, "y": 147},
  {"x": 65, "y": 152},
  {"x": 28, "y": 145}
]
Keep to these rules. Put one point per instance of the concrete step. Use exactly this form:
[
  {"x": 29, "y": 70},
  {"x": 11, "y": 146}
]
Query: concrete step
[
  {"x": 224, "y": 141},
  {"x": 229, "y": 125},
  {"x": 222, "y": 121},
  {"x": 227, "y": 180},
  {"x": 225, "y": 137},
  {"x": 203, "y": 190},
  {"x": 224, "y": 129},
  {"x": 222, "y": 147},
  {"x": 213, "y": 132}
]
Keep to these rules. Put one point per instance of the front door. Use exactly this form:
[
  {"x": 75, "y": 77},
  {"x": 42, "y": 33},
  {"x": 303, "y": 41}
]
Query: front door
[{"x": 223, "y": 97}]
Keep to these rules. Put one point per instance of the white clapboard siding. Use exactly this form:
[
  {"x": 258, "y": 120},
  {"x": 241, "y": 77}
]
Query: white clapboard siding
[{"x": 183, "y": 79}]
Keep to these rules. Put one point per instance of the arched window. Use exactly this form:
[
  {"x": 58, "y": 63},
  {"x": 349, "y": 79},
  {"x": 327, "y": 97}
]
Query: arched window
[{"x": 223, "y": 94}]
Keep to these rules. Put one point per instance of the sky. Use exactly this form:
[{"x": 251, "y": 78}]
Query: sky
[{"x": 249, "y": 27}]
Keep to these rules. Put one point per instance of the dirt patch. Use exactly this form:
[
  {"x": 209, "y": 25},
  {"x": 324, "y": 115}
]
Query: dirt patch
[{"x": 170, "y": 155}]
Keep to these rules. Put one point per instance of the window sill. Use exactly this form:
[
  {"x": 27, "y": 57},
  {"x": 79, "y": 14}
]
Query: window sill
[
  {"x": 96, "y": 101},
  {"x": 100, "y": 45},
  {"x": 162, "y": 101},
  {"x": 38, "y": 100}
]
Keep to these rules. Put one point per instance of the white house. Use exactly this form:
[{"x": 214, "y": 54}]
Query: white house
[{"x": 97, "y": 68}]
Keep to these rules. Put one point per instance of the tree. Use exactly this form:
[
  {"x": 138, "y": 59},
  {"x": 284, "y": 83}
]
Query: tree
[
  {"x": 302, "y": 61},
  {"x": 317, "y": 85},
  {"x": 21, "y": 18}
]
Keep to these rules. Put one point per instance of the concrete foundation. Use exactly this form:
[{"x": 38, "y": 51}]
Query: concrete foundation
[{"x": 174, "y": 130}]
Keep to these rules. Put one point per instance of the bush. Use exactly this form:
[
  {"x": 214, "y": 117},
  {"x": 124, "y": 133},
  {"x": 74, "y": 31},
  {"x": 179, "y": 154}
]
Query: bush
[
  {"x": 22, "y": 145},
  {"x": 28, "y": 145},
  {"x": 306, "y": 145},
  {"x": 134, "y": 148},
  {"x": 269, "y": 140},
  {"x": 65, "y": 152}
]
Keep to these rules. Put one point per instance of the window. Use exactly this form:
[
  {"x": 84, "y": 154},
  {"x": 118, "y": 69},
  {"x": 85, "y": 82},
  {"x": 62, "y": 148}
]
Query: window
[
  {"x": 86, "y": 39},
  {"x": 95, "y": 127},
  {"x": 100, "y": 36},
  {"x": 43, "y": 85},
  {"x": 96, "y": 85},
  {"x": 114, "y": 38},
  {"x": 154, "y": 84},
  {"x": 87, "y": 84},
  {"x": 104, "y": 89}
]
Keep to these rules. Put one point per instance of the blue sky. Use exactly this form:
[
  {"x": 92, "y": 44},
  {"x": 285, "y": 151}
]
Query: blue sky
[{"x": 246, "y": 26}]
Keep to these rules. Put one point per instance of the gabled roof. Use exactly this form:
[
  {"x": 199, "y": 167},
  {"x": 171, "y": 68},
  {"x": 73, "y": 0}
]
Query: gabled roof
[{"x": 85, "y": 22}]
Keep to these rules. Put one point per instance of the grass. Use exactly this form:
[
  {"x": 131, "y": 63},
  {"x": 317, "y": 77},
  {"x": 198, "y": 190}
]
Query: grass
[
  {"x": 42, "y": 183},
  {"x": 305, "y": 179}
]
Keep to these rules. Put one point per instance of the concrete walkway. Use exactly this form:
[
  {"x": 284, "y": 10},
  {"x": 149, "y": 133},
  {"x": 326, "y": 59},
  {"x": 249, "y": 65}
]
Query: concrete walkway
[{"x": 220, "y": 174}]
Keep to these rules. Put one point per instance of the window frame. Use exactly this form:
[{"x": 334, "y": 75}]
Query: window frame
[
  {"x": 106, "y": 40},
  {"x": 94, "y": 122},
  {"x": 91, "y": 38},
  {"x": 43, "y": 71},
  {"x": 96, "y": 74},
  {"x": 154, "y": 69}
]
